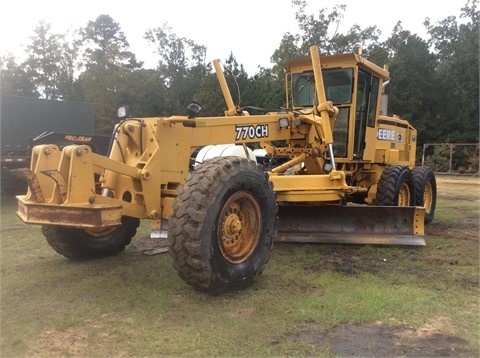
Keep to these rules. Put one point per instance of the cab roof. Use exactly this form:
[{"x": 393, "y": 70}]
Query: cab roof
[{"x": 342, "y": 60}]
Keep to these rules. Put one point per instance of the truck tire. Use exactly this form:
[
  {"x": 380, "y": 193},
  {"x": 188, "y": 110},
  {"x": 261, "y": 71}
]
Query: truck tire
[
  {"x": 425, "y": 191},
  {"x": 396, "y": 187},
  {"x": 223, "y": 225},
  {"x": 80, "y": 244}
]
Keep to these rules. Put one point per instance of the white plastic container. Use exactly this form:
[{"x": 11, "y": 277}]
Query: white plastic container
[{"x": 224, "y": 150}]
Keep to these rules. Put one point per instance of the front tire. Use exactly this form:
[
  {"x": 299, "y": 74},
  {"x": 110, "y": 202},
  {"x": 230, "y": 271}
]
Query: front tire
[
  {"x": 80, "y": 244},
  {"x": 425, "y": 190},
  {"x": 396, "y": 187},
  {"x": 223, "y": 225}
]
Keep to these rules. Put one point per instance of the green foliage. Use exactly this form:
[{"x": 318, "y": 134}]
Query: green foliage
[
  {"x": 472, "y": 158},
  {"x": 412, "y": 72},
  {"x": 434, "y": 81},
  {"x": 109, "y": 69},
  {"x": 14, "y": 80},
  {"x": 439, "y": 161},
  {"x": 457, "y": 48},
  {"x": 321, "y": 29},
  {"x": 210, "y": 96},
  {"x": 181, "y": 67},
  {"x": 462, "y": 158},
  {"x": 49, "y": 66},
  {"x": 266, "y": 90}
]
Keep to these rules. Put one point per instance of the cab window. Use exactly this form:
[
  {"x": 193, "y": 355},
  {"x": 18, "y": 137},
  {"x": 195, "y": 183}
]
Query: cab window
[{"x": 338, "y": 84}]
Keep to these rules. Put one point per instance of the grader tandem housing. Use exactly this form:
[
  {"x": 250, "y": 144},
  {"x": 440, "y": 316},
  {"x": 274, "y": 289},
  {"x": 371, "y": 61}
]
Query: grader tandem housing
[{"x": 196, "y": 178}]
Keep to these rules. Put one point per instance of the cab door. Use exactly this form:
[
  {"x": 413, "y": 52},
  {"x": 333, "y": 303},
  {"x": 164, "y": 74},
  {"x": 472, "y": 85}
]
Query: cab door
[{"x": 365, "y": 111}]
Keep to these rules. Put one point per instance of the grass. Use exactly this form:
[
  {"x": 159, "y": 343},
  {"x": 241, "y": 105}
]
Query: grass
[{"x": 135, "y": 305}]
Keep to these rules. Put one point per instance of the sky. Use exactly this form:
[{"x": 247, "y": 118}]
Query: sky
[{"x": 250, "y": 29}]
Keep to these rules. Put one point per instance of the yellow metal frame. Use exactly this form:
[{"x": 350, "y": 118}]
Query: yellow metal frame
[{"x": 150, "y": 158}]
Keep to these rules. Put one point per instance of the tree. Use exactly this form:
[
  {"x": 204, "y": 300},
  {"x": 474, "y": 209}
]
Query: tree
[
  {"x": 237, "y": 80},
  {"x": 209, "y": 95},
  {"x": 321, "y": 29},
  {"x": 457, "y": 48},
  {"x": 109, "y": 65},
  {"x": 14, "y": 80},
  {"x": 286, "y": 51},
  {"x": 106, "y": 44},
  {"x": 412, "y": 72},
  {"x": 50, "y": 63},
  {"x": 265, "y": 90},
  {"x": 145, "y": 95},
  {"x": 181, "y": 66}
]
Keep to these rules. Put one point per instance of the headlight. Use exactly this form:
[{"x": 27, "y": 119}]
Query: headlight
[
  {"x": 328, "y": 167},
  {"x": 122, "y": 112},
  {"x": 193, "y": 109}
]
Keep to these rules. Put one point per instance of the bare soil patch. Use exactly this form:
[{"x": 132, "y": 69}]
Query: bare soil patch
[
  {"x": 463, "y": 229},
  {"x": 383, "y": 341},
  {"x": 379, "y": 340}
]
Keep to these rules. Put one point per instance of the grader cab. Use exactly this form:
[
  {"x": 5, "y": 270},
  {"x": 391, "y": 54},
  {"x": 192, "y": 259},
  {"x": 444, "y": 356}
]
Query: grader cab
[{"x": 347, "y": 175}]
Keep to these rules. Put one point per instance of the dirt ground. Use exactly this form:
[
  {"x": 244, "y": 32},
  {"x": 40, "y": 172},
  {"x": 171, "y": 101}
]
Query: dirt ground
[
  {"x": 389, "y": 339},
  {"x": 381, "y": 340},
  {"x": 433, "y": 340}
]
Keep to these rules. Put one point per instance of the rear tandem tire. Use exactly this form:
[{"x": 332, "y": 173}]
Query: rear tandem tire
[
  {"x": 425, "y": 190},
  {"x": 80, "y": 244},
  {"x": 396, "y": 187},
  {"x": 223, "y": 225}
]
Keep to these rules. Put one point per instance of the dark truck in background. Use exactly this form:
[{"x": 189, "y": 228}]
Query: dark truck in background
[{"x": 26, "y": 122}]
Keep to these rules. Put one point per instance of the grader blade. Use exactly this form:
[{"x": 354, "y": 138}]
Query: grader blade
[{"x": 382, "y": 225}]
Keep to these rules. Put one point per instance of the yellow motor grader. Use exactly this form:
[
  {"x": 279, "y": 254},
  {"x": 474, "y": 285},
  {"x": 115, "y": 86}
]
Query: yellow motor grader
[{"x": 334, "y": 168}]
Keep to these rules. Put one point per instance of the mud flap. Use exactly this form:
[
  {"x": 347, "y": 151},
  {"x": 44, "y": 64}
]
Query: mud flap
[{"x": 383, "y": 225}]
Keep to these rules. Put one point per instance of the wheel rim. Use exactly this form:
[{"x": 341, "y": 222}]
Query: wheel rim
[
  {"x": 101, "y": 232},
  {"x": 239, "y": 227},
  {"x": 404, "y": 195},
  {"x": 428, "y": 197}
]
